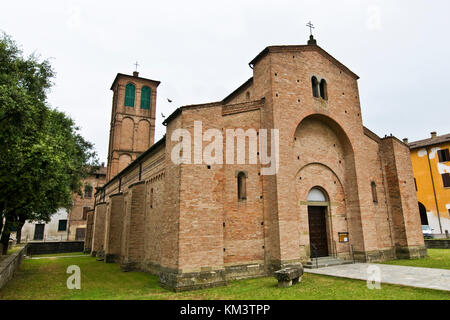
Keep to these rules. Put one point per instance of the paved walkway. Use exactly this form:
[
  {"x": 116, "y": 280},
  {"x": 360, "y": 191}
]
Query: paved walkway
[{"x": 407, "y": 276}]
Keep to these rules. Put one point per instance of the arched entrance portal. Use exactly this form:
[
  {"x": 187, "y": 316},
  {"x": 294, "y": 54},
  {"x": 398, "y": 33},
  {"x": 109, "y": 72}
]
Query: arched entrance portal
[{"x": 318, "y": 223}]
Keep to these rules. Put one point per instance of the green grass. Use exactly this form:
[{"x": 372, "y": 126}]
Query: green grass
[
  {"x": 14, "y": 249},
  {"x": 46, "y": 279},
  {"x": 437, "y": 258}
]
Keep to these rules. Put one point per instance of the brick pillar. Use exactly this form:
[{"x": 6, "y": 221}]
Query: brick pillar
[
  {"x": 402, "y": 199},
  {"x": 98, "y": 237},
  {"x": 135, "y": 227},
  {"x": 89, "y": 231},
  {"x": 113, "y": 228}
]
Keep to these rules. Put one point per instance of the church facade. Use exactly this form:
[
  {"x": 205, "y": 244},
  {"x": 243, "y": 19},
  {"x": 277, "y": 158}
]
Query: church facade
[{"x": 339, "y": 189}]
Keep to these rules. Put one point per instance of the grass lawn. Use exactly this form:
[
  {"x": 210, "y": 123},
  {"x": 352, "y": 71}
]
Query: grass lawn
[
  {"x": 14, "y": 249},
  {"x": 46, "y": 279},
  {"x": 437, "y": 258}
]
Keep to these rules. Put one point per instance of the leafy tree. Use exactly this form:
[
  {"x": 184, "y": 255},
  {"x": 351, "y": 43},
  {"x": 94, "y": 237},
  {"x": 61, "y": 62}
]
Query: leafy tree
[{"x": 43, "y": 158}]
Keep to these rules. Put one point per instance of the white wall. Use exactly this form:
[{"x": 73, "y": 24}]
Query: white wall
[
  {"x": 433, "y": 221},
  {"x": 51, "y": 232}
]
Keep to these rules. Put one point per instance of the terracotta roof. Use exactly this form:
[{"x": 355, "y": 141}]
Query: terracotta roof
[
  {"x": 174, "y": 114},
  {"x": 297, "y": 48},
  {"x": 430, "y": 142},
  {"x": 101, "y": 170},
  {"x": 245, "y": 85},
  {"x": 132, "y": 77}
]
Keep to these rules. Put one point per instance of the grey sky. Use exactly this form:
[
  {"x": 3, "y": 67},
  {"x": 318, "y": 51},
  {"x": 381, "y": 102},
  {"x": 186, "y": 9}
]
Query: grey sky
[{"x": 200, "y": 50}]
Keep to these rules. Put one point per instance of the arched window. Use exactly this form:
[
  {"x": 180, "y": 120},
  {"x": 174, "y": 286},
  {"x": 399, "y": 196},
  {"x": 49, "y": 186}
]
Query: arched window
[
  {"x": 423, "y": 214},
  {"x": 130, "y": 91},
  {"x": 145, "y": 98},
  {"x": 242, "y": 186},
  {"x": 315, "y": 87},
  {"x": 323, "y": 90},
  {"x": 374, "y": 192},
  {"x": 316, "y": 195}
]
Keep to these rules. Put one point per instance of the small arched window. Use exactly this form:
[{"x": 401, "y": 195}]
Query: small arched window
[
  {"x": 315, "y": 87},
  {"x": 130, "y": 91},
  {"x": 145, "y": 98},
  {"x": 374, "y": 192},
  {"x": 323, "y": 90},
  {"x": 248, "y": 95},
  {"x": 242, "y": 186}
]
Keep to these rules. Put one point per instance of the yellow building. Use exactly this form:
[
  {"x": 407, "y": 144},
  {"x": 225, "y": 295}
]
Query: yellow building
[{"x": 431, "y": 165}]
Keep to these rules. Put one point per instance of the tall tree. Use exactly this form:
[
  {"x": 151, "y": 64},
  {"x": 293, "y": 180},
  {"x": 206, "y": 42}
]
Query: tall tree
[{"x": 43, "y": 158}]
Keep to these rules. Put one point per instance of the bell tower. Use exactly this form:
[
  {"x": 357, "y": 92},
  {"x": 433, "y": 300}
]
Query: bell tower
[{"x": 132, "y": 128}]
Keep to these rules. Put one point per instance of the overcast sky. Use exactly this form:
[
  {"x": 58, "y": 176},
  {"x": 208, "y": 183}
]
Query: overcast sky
[{"x": 200, "y": 50}]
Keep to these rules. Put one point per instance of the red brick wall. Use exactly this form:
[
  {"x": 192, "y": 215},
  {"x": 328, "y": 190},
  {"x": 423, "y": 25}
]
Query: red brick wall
[
  {"x": 89, "y": 231},
  {"x": 99, "y": 228},
  {"x": 114, "y": 225}
]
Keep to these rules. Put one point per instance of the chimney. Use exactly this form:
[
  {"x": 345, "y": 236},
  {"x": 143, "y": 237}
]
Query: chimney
[
  {"x": 406, "y": 141},
  {"x": 433, "y": 134},
  {"x": 103, "y": 164},
  {"x": 135, "y": 74}
]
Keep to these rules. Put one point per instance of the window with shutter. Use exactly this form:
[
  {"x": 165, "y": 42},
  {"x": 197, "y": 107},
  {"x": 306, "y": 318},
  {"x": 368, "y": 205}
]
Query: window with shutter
[
  {"x": 62, "y": 225},
  {"x": 446, "y": 180},
  {"x": 130, "y": 91},
  {"x": 444, "y": 155},
  {"x": 145, "y": 98}
]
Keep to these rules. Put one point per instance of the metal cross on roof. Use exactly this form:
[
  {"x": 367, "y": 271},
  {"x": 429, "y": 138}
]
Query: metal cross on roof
[
  {"x": 310, "y": 26},
  {"x": 137, "y": 65}
]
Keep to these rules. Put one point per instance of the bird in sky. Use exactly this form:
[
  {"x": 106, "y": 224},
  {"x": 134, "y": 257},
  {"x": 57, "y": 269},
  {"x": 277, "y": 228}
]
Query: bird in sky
[{"x": 170, "y": 101}]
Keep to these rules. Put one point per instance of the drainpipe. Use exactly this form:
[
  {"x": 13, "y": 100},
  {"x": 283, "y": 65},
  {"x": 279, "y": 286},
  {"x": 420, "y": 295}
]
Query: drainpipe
[{"x": 434, "y": 190}]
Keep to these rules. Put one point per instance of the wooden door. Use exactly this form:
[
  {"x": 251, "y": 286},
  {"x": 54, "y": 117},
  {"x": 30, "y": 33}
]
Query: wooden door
[
  {"x": 318, "y": 232},
  {"x": 39, "y": 232},
  {"x": 80, "y": 234}
]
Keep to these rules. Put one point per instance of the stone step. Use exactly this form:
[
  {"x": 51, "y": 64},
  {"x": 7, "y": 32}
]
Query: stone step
[{"x": 326, "y": 262}]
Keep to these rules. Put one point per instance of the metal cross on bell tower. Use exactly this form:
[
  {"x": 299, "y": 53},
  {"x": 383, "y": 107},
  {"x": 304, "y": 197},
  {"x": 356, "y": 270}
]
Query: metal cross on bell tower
[
  {"x": 310, "y": 26},
  {"x": 137, "y": 65},
  {"x": 311, "y": 41}
]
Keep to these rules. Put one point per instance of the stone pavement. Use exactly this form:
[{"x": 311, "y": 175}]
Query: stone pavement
[{"x": 401, "y": 275}]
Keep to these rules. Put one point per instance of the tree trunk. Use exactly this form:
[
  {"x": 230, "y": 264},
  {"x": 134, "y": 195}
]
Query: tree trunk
[
  {"x": 5, "y": 240},
  {"x": 19, "y": 232},
  {"x": 20, "y": 224},
  {"x": 1, "y": 227},
  {"x": 1, "y": 218}
]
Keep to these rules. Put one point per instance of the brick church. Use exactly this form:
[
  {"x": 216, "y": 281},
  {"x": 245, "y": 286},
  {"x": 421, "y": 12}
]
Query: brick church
[{"x": 340, "y": 190}]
